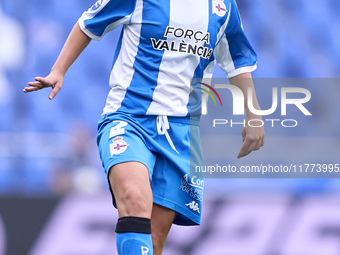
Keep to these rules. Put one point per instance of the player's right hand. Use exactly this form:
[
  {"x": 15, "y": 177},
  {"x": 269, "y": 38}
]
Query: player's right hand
[{"x": 53, "y": 80}]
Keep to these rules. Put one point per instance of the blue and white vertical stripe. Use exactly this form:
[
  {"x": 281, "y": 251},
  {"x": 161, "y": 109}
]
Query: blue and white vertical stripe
[{"x": 163, "y": 46}]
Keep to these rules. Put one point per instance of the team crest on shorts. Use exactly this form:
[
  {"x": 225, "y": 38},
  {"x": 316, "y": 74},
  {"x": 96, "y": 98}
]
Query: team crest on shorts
[
  {"x": 118, "y": 146},
  {"x": 219, "y": 8}
]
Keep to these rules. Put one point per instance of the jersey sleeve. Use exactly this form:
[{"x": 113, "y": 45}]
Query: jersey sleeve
[
  {"x": 234, "y": 54},
  {"x": 104, "y": 16}
]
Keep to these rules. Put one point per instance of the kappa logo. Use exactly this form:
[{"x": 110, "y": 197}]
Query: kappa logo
[
  {"x": 219, "y": 8},
  {"x": 118, "y": 146},
  {"x": 193, "y": 206},
  {"x": 145, "y": 250},
  {"x": 96, "y": 5}
]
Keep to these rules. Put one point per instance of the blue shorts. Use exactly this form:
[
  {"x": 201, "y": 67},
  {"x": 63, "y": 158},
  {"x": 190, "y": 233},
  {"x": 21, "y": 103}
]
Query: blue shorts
[{"x": 125, "y": 137}]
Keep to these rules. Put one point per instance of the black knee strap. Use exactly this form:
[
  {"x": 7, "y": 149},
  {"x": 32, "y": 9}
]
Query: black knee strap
[{"x": 133, "y": 224}]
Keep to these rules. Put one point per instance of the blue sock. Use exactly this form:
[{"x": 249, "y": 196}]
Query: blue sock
[
  {"x": 134, "y": 244},
  {"x": 134, "y": 236}
]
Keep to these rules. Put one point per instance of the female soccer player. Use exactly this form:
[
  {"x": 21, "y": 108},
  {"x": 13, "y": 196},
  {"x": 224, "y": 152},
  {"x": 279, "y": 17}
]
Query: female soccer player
[{"x": 164, "y": 46}]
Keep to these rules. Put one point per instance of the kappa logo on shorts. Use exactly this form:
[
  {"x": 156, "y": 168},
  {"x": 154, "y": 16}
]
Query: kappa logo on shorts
[
  {"x": 219, "y": 8},
  {"x": 118, "y": 146},
  {"x": 193, "y": 206}
]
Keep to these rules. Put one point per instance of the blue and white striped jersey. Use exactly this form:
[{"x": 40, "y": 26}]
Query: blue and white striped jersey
[{"x": 164, "y": 44}]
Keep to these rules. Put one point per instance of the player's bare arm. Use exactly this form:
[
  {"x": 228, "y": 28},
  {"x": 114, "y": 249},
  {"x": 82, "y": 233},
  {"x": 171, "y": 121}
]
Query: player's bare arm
[
  {"x": 76, "y": 42},
  {"x": 253, "y": 138}
]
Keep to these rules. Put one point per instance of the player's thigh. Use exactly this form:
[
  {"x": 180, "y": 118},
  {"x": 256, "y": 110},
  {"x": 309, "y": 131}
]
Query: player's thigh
[
  {"x": 128, "y": 163},
  {"x": 130, "y": 184},
  {"x": 161, "y": 222}
]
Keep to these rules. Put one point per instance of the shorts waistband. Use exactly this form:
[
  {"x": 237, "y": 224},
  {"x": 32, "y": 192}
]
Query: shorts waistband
[{"x": 188, "y": 120}]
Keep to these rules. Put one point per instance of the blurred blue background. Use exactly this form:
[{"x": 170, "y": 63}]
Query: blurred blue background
[
  {"x": 48, "y": 148},
  {"x": 46, "y": 145}
]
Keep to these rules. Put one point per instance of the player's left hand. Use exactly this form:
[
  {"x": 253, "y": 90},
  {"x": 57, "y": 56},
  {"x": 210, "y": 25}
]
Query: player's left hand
[{"x": 253, "y": 138}]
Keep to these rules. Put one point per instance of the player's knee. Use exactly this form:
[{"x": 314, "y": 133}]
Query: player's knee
[{"x": 135, "y": 202}]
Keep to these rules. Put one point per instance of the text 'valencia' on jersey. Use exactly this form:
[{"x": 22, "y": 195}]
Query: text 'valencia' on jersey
[{"x": 163, "y": 47}]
